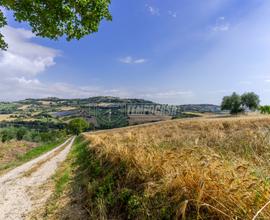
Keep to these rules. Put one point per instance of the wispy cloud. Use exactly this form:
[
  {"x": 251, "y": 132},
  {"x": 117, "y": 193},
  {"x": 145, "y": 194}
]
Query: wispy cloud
[
  {"x": 221, "y": 91},
  {"x": 172, "y": 14},
  {"x": 131, "y": 60},
  {"x": 245, "y": 82},
  {"x": 152, "y": 10},
  {"x": 168, "y": 96},
  {"x": 221, "y": 25},
  {"x": 171, "y": 94}
]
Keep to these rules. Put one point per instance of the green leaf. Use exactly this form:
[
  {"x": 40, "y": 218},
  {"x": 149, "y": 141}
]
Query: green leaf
[{"x": 56, "y": 18}]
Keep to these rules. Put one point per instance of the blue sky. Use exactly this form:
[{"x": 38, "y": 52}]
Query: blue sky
[{"x": 176, "y": 52}]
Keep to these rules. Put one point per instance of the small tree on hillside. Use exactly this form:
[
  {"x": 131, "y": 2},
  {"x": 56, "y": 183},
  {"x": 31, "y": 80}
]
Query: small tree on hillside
[
  {"x": 232, "y": 103},
  {"x": 78, "y": 125},
  {"x": 250, "y": 100}
]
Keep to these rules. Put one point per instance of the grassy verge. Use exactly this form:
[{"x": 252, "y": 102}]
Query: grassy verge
[
  {"x": 35, "y": 152},
  {"x": 69, "y": 186},
  {"x": 91, "y": 187}
]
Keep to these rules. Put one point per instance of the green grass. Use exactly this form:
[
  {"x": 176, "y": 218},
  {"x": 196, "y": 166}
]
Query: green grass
[
  {"x": 73, "y": 162},
  {"x": 37, "y": 151},
  {"x": 62, "y": 181},
  {"x": 65, "y": 177},
  {"x": 33, "y": 153}
]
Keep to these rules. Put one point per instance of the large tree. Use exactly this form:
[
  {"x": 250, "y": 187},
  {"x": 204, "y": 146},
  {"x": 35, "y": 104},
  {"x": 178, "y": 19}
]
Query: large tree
[
  {"x": 78, "y": 125},
  {"x": 250, "y": 100},
  {"x": 56, "y": 18},
  {"x": 236, "y": 103},
  {"x": 232, "y": 103}
]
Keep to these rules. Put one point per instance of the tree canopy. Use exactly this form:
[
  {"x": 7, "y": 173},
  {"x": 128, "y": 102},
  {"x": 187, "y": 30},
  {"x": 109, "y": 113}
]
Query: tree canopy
[
  {"x": 232, "y": 103},
  {"x": 78, "y": 125},
  {"x": 250, "y": 100},
  {"x": 236, "y": 103},
  {"x": 56, "y": 18}
]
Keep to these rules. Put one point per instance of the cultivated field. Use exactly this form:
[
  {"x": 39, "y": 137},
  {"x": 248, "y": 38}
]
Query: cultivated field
[
  {"x": 140, "y": 119},
  {"x": 5, "y": 117},
  {"x": 186, "y": 169}
]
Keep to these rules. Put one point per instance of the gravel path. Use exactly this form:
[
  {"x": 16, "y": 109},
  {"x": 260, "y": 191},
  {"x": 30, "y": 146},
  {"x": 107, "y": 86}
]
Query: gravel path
[{"x": 21, "y": 190}]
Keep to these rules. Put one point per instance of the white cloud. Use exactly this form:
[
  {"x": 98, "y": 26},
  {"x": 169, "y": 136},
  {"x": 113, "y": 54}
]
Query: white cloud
[
  {"x": 24, "y": 58},
  {"x": 23, "y": 81},
  {"x": 131, "y": 60},
  {"x": 33, "y": 88},
  {"x": 21, "y": 64},
  {"x": 172, "y": 14},
  {"x": 221, "y": 25},
  {"x": 140, "y": 61},
  {"x": 152, "y": 10}
]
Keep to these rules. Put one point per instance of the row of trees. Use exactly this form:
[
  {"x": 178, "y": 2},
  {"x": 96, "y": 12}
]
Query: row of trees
[
  {"x": 22, "y": 133},
  {"x": 236, "y": 103},
  {"x": 75, "y": 127}
]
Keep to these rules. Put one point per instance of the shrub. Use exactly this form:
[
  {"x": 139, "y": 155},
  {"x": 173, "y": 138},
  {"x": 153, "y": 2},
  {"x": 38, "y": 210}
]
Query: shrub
[
  {"x": 265, "y": 109},
  {"x": 6, "y": 136},
  {"x": 20, "y": 133}
]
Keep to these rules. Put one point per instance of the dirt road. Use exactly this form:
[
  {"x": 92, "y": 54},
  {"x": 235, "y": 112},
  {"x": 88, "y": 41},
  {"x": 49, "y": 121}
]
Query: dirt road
[{"x": 21, "y": 189}]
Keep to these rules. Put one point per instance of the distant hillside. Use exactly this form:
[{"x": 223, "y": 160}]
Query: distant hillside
[
  {"x": 96, "y": 99},
  {"x": 110, "y": 100},
  {"x": 200, "y": 108}
]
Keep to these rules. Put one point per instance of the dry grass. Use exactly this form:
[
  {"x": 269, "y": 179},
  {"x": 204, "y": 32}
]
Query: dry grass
[
  {"x": 24, "y": 107},
  {"x": 9, "y": 151},
  {"x": 5, "y": 117},
  {"x": 140, "y": 119},
  {"x": 67, "y": 108},
  {"x": 202, "y": 169}
]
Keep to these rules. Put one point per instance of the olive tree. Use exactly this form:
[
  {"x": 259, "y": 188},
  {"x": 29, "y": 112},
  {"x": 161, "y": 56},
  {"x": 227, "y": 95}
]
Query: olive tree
[
  {"x": 250, "y": 100},
  {"x": 236, "y": 103},
  {"x": 232, "y": 103},
  {"x": 56, "y": 18}
]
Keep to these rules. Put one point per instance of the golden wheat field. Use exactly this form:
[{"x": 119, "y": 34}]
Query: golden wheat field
[{"x": 199, "y": 169}]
